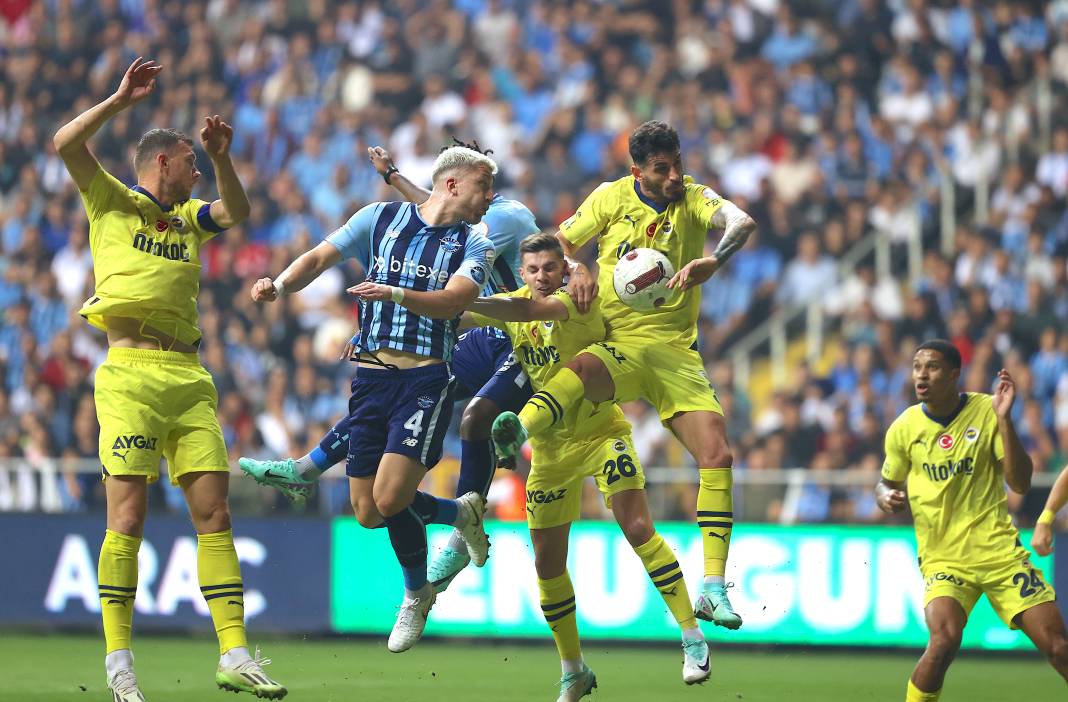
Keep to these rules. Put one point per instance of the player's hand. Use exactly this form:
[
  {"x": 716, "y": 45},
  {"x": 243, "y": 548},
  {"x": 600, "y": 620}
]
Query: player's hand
[
  {"x": 216, "y": 136},
  {"x": 1004, "y": 394},
  {"x": 890, "y": 500},
  {"x": 372, "y": 292},
  {"x": 582, "y": 287},
  {"x": 694, "y": 273},
  {"x": 349, "y": 348},
  {"x": 380, "y": 159},
  {"x": 263, "y": 290},
  {"x": 138, "y": 82},
  {"x": 1042, "y": 539}
]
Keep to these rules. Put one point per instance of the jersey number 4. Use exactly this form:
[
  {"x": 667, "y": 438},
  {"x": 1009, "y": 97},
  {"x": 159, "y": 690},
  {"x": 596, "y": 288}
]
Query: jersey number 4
[{"x": 415, "y": 423}]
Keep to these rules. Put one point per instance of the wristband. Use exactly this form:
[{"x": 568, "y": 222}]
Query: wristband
[
  {"x": 396, "y": 293},
  {"x": 389, "y": 172},
  {"x": 1048, "y": 516},
  {"x": 279, "y": 288}
]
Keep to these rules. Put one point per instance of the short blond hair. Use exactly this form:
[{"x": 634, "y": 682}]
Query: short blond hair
[{"x": 461, "y": 158}]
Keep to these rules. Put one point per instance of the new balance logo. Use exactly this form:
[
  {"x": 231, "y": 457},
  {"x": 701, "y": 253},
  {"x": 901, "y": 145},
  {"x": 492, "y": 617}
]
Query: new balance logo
[
  {"x": 411, "y": 442},
  {"x": 137, "y": 441}
]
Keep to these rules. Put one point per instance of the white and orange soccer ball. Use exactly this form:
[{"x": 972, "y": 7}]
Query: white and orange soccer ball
[{"x": 640, "y": 279}]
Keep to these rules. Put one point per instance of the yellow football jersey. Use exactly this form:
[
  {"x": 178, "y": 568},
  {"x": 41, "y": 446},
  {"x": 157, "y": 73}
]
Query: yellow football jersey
[
  {"x": 955, "y": 483},
  {"x": 543, "y": 348},
  {"x": 625, "y": 219},
  {"x": 146, "y": 259}
]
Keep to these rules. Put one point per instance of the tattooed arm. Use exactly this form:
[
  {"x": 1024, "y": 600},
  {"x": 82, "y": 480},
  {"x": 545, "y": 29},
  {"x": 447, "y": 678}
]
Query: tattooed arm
[{"x": 737, "y": 226}]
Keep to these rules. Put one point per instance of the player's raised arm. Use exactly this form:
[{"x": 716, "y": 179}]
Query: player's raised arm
[
  {"x": 447, "y": 303},
  {"x": 1042, "y": 539},
  {"x": 520, "y": 309},
  {"x": 384, "y": 166},
  {"x": 232, "y": 207},
  {"x": 70, "y": 141},
  {"x": 298, "y": 274},
  {"x": 1016, "y": 464},
  {"x": 736, "y": 226}
]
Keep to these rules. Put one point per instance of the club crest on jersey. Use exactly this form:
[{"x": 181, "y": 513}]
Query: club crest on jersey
[
  {"x": 450, "y": 244},
  {"x": 619, "y": 446},
  {"x": 178, "y": 223},
  {"x": 946, "y": 441},
  {"x": 425, "y": 402},
  {"x": 971, "y": 434}
]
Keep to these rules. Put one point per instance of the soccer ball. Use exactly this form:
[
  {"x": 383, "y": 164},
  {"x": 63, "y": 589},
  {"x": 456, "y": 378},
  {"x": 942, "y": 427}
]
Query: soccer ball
[{"x": 640, "y": 279}]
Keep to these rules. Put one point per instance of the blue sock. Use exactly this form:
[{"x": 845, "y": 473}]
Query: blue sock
[
  {"x": 476, "y": 467},
  {"x": 435, "y": 510},
  {"x": 334, "y": 447},
  {"x": 407, "y": 534}
]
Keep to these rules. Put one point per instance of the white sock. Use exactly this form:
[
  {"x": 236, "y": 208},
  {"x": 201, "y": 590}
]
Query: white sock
[
  {"x": 456, "y": 542},
  {"x": 306, "y": 468},
  {"x": 118, "y": 660},
  {"x": 692, "y": 634},
  {"x": 715, "y": 580},
  {"x": 571, "y": 666},
  {"x": 235, "y": 656}
]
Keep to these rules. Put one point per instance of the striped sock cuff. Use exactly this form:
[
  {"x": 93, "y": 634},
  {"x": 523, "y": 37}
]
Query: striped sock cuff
[
  {"x": 210, "y": 592},
  {"x": 547, "y": 401},
  {"x": 716, "y": 520}
]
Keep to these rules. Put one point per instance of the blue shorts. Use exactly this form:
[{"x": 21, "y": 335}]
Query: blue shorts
[
  {"x": 484, "y": 366},
  {"x": 403, "y": 411}
]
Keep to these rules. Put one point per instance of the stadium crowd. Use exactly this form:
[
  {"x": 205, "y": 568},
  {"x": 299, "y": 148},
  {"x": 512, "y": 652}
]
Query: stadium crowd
[{"x": 827, "y": 121}]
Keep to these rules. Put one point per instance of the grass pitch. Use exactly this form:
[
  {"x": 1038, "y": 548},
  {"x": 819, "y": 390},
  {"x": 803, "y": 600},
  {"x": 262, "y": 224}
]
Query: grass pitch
[{"x": 62, "y": 668}]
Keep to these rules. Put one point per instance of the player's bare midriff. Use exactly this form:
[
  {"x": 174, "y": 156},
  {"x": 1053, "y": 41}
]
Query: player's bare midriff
[
  {"x": 401, "y": 359},
  {"x": 130, "y": 333}
]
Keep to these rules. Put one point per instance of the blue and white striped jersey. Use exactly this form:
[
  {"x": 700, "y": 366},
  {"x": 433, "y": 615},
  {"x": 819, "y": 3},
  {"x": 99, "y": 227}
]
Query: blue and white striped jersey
[
  {"x": 506, "y": 223},
  {"x": 396, "y": 247}
]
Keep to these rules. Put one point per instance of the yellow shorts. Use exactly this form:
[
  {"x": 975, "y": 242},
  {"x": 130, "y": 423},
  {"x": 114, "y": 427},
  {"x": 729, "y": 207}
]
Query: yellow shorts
[
  {"x": 554, "y": 486},
  {"x": 157, "y": 403},
  {"x": 1012, "y": 586},
  {"x": 671, "y": 377}
]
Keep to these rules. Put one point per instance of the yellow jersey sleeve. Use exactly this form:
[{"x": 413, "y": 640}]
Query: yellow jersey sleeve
[
  {"x": 896, "y": 465},
  {"x": 103, "y": 194},
  {"x": 702, "y": 202},
  {"x": 590, "y": 218},
  {"x": 195, "y": 216}
]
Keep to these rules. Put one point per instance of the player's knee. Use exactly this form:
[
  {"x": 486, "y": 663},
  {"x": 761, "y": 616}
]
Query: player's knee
[
  {"x": 638, "y": 530},
  {"x": 1058, "y": 652},
  {"x": 716, "y": 456},
  {"x": 389, "y": 504},
  {"x": 129, "y": 521},
  {"x": 366, "y": 513},
  {"x": 212, "y": 518},
  {"x": 477, "y": 420},
  {"x": 944, "y": 644}
]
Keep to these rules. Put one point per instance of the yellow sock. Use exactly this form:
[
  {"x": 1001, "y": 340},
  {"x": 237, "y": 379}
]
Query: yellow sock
[
  {"x": 915, "y": 694},
  {"x": 220, "y": 583},
  {"x": 715, "y": 517},
  {"x": 116, "y": 579},
  {"x": 548, "y": 405},
  {"x": 558, "y": 606},
  {"x": 664, "y": 571}
]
